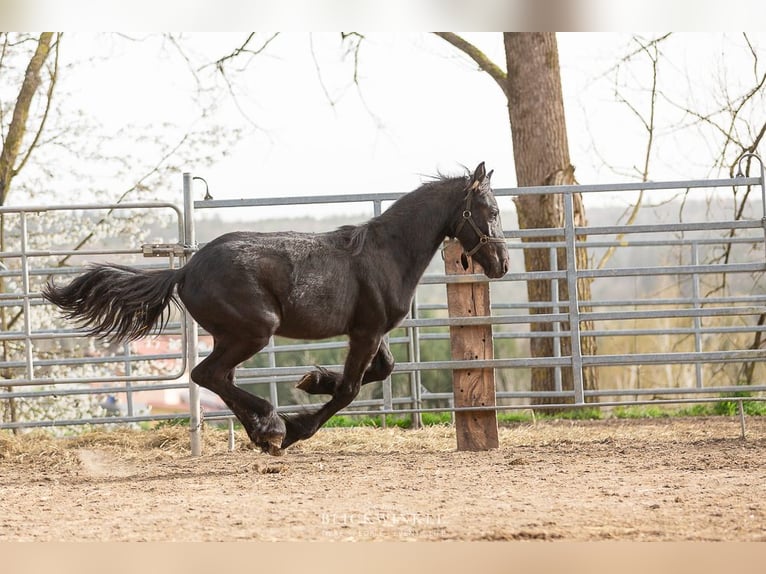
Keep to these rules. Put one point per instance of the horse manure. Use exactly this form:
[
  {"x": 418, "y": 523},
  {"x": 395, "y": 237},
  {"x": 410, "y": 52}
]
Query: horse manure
[{"x": 269, "y": 468}]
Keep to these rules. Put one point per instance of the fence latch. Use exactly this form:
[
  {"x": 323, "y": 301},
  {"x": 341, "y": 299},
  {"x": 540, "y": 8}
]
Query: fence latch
[{"x": 163, "y": 250}]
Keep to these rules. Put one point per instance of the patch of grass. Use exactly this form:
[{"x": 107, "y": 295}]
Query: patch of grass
[
  {"x": 431, "y": 419},
  {"x": 345, "y": 421},
  {"x": 514, "y": 417},
  {"x": 641, "y": 412},
  {"x": 702, "y": 410},
  {"x": 171, "y": 423},
  {"x": 576, "y": 414},
  {"x": 731, "y": 408},
  {"x": 445, "y": 418}
]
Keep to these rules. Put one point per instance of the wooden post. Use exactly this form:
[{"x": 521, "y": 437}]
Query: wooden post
[{"x": 476, "y": 430}]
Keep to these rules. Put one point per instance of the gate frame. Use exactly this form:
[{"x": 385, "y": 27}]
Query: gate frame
[{"x": 26, "y": 298}]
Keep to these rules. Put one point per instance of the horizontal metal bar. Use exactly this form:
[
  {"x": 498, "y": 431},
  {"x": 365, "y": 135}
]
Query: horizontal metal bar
[
  {"x": 119, "y": 359},
  {"x": 721, "y": 389},
  {"x": 680, "y": 301},
  {"x": 297, "y": 200},
  {"x": 59, "y": 334},
  {"x": 646, "y": 314},
  {"x": 27, "y": 382},
  {"x": 674, "y": 331},
  {"x": 745, "y": 355},
  {"x": 92, "y": 421},
  {"x": 635, "y": 186},
  {"x": 500, "y": 192},
  {"x": 672, "y": 270},
  {"x": 666, "y": 242},
  {"x": 525, "y": 362},
  {"x": 90, "y": 207},
  {"x": 89, "y": 390},
  {"x": 668, "y": 227},
  {"x": 64, "y": 252}
]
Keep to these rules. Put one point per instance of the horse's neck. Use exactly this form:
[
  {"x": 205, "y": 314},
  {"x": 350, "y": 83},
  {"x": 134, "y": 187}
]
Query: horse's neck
[{"x": 415, "y": 230}]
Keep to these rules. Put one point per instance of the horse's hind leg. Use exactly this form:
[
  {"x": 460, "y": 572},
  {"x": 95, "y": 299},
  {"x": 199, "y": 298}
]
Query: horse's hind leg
[
  {"x": 257, "y": 415},
  {"x": 322, "y": 381},
  {"x": 362, "y": 350}
]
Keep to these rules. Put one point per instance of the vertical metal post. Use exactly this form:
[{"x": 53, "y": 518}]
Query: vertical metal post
[
  {"x": 190, "y": 325},
  {"x": 696, "y": 320},
  {"x": 26, "y": 306},
  {"x": 273, "y": 391},
  {"x": 231, "y": 434},
  {"x": 556, "y": 325},
  {"x": 574, "y": 304},
  {"x": 741, "y": 410},
  {"x": 128, "y": 373},
  {"x": 763, "y": 191},
  {"x": 377, "y": 209},
  {"x": 415, "y": 378}
]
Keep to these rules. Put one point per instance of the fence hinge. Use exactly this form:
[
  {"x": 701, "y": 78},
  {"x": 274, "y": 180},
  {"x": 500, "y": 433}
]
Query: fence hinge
[{"x": 163, "y": 250}]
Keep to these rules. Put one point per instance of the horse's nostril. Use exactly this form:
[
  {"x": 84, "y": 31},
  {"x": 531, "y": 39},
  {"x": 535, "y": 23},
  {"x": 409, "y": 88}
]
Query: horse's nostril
[{"x": 505, "y": 266}]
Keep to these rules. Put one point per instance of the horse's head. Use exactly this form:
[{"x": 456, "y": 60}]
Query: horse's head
[{"x": 479, "y": 229}]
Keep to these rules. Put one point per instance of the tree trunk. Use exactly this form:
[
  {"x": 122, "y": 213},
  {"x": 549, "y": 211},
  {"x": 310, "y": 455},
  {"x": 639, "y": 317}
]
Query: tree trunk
[
  {"x": 18, "y": 127},
  {"x": 541, "y": 154},
  {"x": 9, "y": 165}
]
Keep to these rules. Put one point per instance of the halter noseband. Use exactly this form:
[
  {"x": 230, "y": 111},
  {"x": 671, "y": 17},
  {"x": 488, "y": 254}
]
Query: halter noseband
[{"x": 467, "y": 217}]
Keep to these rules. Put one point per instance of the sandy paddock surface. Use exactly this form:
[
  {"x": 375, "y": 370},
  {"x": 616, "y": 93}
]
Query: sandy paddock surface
[{"x": 663, "y": 479}]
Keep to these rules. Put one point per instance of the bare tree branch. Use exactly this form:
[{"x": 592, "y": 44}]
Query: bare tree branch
[
  {"x": 630, "y": 55},
  {"x": 356, "y": 40},
  {"x": 357, "y": 46},
  {"x": 243, "y": 49},
  {"x": 651, "y": 50},
  {"x": 318, "y": 69},
  {"x": 485, "y": 64},
  {"x": 177, "y": 45}
]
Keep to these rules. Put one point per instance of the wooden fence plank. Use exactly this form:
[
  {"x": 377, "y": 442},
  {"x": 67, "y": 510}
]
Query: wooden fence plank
[{"x": 476, "y": 430}]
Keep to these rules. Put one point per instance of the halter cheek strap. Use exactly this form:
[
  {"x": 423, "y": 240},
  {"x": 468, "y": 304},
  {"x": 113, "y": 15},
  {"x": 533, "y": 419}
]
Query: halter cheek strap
[{"x": 468, "y": 218}]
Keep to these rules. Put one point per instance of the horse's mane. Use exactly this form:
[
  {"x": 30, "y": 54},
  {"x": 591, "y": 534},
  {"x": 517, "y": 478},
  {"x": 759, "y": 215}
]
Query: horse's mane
[
  {"x": 442, "y": 178},
  {"x": 354, "y": 236}
]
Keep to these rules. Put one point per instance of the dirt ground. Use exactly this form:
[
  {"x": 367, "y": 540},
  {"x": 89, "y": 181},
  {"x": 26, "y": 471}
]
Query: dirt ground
[{"x": 660, "y": 479}]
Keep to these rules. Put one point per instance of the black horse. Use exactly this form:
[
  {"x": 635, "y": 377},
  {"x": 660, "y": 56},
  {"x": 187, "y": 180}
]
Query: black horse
[{"x": 244, "y": 287}]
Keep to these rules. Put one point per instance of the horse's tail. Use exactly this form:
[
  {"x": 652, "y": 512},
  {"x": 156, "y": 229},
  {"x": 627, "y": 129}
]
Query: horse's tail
[{"x": 118, "y": 303}]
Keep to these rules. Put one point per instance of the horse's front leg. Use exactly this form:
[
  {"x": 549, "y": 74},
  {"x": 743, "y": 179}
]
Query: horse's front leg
[
  {"x": 362, "y": 350},
  {"x": 323, "y": 381}
]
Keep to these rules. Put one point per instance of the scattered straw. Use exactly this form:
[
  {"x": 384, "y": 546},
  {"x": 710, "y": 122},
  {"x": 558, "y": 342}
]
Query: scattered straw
[{"x": 43, "y": 450}]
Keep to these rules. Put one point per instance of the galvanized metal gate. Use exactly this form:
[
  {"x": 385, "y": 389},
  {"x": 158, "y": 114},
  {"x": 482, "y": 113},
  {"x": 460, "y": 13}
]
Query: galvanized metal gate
[
  {"x": 680, "y": 250},
  {"x": 47, "y": 367},
  {"x": 684, "y": 325}
]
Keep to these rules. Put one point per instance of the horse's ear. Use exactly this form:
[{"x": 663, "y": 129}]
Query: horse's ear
[
  {"x": 489, "y": 175},
  {"x": 478, "y": 176}
]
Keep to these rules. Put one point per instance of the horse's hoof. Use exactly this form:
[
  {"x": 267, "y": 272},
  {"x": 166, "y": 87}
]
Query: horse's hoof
[
  {"x": 308, "y": 382},
  {"x": 317, "y": 382},
  {"x": 275, "y": 447},
  {"x": 267, "y": 433}
]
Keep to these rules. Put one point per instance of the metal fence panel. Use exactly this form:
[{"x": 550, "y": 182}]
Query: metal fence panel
[
  {"x": 51, "y": 374},
  {"x": 678, "y": 311},
  {"x": 708, "y": 332}
]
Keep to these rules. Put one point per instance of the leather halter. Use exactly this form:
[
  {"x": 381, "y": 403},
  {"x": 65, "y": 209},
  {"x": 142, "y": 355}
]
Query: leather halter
[{"x": 484, "y": 239}]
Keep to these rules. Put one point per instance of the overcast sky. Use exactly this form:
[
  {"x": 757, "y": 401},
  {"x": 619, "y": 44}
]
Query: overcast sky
[{"x": 420, "y": 107}]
